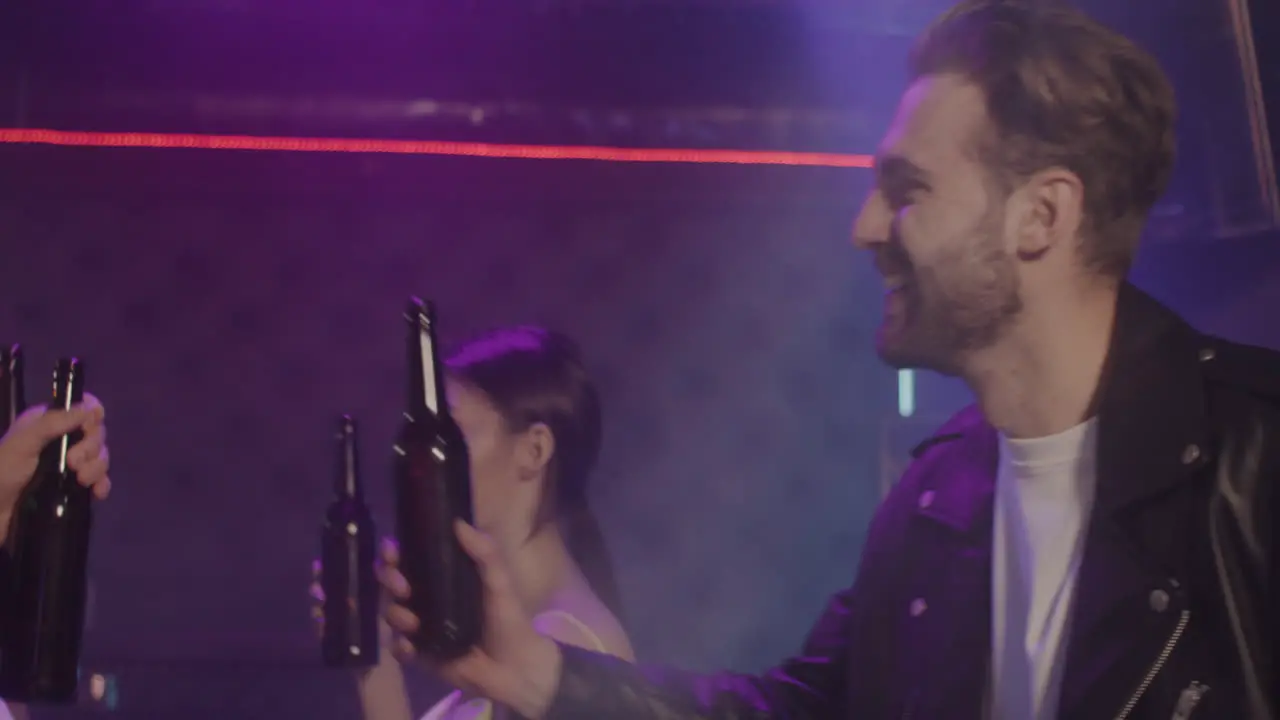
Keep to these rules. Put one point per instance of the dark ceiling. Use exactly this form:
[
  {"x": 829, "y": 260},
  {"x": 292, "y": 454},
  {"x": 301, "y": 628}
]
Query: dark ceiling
[
  {"x": 100, "y": 62},
  {"x": 787, "y": 74}
]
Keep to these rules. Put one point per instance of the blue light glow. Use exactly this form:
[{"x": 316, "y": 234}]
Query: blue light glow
[{"x": 906, "y": 393}]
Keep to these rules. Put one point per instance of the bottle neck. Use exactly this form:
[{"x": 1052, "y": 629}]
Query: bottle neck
[
  {"x": 426, "y": 369},
  {"x": 17, "y": 403},
  {"x": 8, "y": 403},
  {"x": 347, "y": 482},
  {"x": 68, "y": 384},
  {"x": 68, "y": 390},
  {"x": 13, "y": 396}
]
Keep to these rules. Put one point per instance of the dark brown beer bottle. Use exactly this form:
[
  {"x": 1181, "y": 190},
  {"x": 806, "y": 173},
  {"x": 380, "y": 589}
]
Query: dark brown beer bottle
[
  {"x": 433, "y": 491},
  {"x": 49, "y": 545},
  {"x": 13, "y": 393},
  {"x": 13, "y": 402},
  {"x": 347, "y": 554}
]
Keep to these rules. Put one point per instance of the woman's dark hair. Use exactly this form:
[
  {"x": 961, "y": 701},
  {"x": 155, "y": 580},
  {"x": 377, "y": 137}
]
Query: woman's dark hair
[{"x": 533, "y": 375}]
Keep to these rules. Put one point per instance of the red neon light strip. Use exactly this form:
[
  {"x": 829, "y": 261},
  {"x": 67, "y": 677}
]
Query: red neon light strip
[{"x": 24, "y": 136}]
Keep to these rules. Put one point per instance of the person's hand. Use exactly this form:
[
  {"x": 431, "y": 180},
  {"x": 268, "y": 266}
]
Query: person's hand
[
  {"x": 20, "y": 450},
  {"x": 385, "y": 637},
  {"x": 317, "y": 598},
  {"x": 514, "y": 665}
]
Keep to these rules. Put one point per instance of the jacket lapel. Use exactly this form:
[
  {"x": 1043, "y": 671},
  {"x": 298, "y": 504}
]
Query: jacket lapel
[
  {"x": 1153, "y": 437},
  {"x": 1131, "y": 598},
  {"x": 951, "y": 634}
]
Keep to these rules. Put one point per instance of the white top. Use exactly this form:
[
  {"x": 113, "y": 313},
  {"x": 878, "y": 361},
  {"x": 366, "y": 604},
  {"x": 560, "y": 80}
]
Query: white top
[{"x": 1044, "y": 495}]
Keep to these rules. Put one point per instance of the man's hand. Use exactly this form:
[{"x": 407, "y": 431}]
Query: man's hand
[
  {"x": 514, "y": 665},
  {"x": 20, "y": 451}
]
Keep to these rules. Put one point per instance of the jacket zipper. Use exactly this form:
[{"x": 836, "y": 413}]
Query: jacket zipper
[{"x": 1161, "y": 659}]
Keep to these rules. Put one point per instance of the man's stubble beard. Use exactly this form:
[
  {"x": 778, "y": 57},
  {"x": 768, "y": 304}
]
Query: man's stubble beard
[{"x": 958, "y": 306}]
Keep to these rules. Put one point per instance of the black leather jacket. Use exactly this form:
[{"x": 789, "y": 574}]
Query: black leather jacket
[{"x": 1174, "y": 617}]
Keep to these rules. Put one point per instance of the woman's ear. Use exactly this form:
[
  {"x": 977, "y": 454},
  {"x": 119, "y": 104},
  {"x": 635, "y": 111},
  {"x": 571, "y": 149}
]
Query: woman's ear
[{"x": 535, "y": 449}]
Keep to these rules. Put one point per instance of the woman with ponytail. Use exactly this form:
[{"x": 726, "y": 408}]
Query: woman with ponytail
[{"x": 531, "y": 418}]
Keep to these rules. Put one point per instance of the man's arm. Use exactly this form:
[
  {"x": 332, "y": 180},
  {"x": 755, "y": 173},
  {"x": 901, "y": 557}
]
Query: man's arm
[
  {"x": 808, "y": 686},
  {"x": 813, "y": 684},
  {"x": 529, "y": 673}
]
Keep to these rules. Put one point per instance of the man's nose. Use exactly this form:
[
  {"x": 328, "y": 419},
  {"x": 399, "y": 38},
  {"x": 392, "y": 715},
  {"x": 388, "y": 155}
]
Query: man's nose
[{"x": 871, "y": 227}]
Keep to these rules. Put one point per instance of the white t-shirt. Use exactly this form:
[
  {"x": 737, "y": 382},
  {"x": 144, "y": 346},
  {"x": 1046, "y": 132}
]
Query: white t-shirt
[{"x": 1044, "y": 494}]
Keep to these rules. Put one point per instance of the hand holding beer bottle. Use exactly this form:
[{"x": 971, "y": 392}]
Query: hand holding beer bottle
[
  {"x": 49, "y": 548},
  {"x": 453, "y": 602},
  {"x": 24, "y": 433},
  {"x": 432, "y": 492},
  {"x": 347, "y": 589}
]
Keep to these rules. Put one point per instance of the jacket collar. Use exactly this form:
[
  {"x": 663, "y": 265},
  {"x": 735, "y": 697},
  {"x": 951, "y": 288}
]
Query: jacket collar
[
  {"x": 1153, "y": 409},
  {"x": 1152, "y": 417},
  {"x": 1153, "y": 435},
  {"x": 960, "y": 495}
]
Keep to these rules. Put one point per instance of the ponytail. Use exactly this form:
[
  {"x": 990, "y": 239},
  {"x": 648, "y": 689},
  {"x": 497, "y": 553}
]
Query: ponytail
[{"x": 587, "y": 545}]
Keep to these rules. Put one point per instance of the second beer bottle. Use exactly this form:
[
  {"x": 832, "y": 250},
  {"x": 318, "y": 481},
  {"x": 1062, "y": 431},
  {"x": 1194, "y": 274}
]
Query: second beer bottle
[
  {"x": 13, "y": 401},
  {"x": 347, "y": 555},
  {"x": 49, "y": 544},
  {"x": 432, "y": 492},
  {"x": 13, "y": 398}
]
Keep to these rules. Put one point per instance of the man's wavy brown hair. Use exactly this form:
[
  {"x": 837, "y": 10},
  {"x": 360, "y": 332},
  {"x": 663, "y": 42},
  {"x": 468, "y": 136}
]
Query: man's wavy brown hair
[{"x": 1063, "y": 90}]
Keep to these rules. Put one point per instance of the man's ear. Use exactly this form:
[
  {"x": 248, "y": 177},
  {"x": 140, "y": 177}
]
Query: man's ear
[
  {"x": 1049, "y": 212},
  {"x": 537, "y": 445}
]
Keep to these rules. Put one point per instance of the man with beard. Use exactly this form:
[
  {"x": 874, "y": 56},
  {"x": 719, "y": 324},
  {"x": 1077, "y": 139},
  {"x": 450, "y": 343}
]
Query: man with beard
[{"x": 1092, "y": 538}]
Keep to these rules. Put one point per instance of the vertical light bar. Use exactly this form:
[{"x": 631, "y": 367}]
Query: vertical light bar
[{"x": 906, "y": 393}]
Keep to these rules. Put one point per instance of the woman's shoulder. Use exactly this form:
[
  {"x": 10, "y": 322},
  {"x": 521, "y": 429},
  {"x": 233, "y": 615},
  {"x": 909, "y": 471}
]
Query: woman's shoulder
[
  {"x": 441, "y": 708},
  {"x": 585, "y": 623},
  {"x": 454, "y": 707}
]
